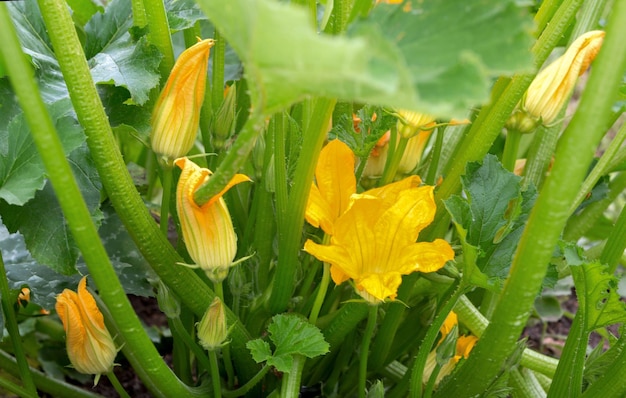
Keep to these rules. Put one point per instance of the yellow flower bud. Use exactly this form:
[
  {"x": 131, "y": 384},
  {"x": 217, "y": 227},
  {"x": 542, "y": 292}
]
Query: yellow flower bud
[
  {"x": 90, "y": 346},
  {"x": 552, "y": 87},
  {"x": 212, "y": 330},
  {"x": 176, "y": 114},
  {"x": 412, "y": 123},
  {"x": 207, "y": 230}
]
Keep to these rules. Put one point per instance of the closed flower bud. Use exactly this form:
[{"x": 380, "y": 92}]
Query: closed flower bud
[
  {"x": 225, "y": 118},
  {"x": 212, "y": 330},
  {"x": 412, "y": 123},
  {"x": 176, "y": 115},
  {"x": 207, "y": 230},
  {"x": 90, "y": 346},
  {"x": 552, "y": 87}
]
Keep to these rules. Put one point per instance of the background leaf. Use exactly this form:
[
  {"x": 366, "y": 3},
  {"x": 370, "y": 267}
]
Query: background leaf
[
  {"x": 183, "y": 14},
  {"x": 425, "y": 56},
  {"x": 21, "y": 169},
  {"x": 45, "y": 283},
  {"x": 116, "y": 58}
]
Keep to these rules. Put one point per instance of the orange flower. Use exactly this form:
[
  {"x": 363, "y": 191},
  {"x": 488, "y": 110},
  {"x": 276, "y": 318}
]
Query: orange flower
[
  {"x": 373, "y": 242},
  {"x": 90, "y": 346},
  {"x": 176, "y": 114},
  {"x": 335, "y": 182},
  {"x": 207, "y": 230}
]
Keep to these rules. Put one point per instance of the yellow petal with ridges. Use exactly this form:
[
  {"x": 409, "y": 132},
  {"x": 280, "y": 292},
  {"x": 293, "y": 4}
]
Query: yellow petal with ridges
[
  {"x": 334, "y": 175},
  {"x": 318, "y": 212}
]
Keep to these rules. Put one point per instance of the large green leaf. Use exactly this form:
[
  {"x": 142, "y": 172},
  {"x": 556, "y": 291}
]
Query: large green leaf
[
  {"x": 45, "y": 283},
  {"x": 493, "y": 213},
  {"x": 115, "y": 57},
  {"x": 435, "y": 57},
  {"x": 41, "y": 220},
  {"x": 183, "y": 14},
  {"x": 21, "y": 168}
]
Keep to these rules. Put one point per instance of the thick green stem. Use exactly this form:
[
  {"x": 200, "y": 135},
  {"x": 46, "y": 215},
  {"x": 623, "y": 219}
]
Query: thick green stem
[
  {"x": 540, "y": 154},
  {"x": 160, "y": 34},
  {"x": 119, "y": 185},
  {"x": 611, "y": 384},
  {"x": 431, "y": 177},
  {"x": 45, "y": 383},
  {"x": 186, "y": 338},
  {"x": 165, "y": 198},
  {"x": 548, "y": 217},
  {"x": 290, "y": 387},
  {"x": 217, "y": 79},
  {"x": 290, "y": 231},
  {"x": 391, "y": 167},
  {"x": 139, "y": 13},
  {"x": 365, "y": 348},
  {"x": 511, "y": 147},
  {"x": 568, "y": 379},
  {"x": 13, "y": 329},
  {"x": 321, "y": 293}
]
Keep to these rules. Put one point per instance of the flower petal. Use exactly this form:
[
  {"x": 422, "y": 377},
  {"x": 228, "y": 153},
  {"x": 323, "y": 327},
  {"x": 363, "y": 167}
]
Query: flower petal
[
  {"x": 336, "y": 256},
  {"x": 318, "y": 212},
  {"x": 334, "y": 175}
]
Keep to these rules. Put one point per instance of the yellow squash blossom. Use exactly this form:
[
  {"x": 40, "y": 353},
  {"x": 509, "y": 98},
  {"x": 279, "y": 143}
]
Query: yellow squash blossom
[
  {"x": 374, "y": 241},
  {"x": 176, "y": 114},
  {"x": 335, "y": 182},
  {"x": 90, "y": 346},
  {"x": 552, "y": 87},
  {"x": 207, "y": 230},
  {"x": 212, "y": 330},
  {"x": 464, "y": 345}
]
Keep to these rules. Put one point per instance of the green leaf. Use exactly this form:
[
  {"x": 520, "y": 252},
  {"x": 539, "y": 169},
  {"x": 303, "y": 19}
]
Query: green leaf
[
  {"x": 83, "y": 10},
  {"x": 291, "y": 335},
  {"x": 597, "y": 296},
  {"x": 434, "y": 58},
  {"x": 42, "y": 223},
  {"x": 45, "y": 283},
  {"x": 183, "y": 14},
  {"x": 116, "y": 58},
  {"x": 493, "y": 214},
  {"x": 21, "y": 168}
]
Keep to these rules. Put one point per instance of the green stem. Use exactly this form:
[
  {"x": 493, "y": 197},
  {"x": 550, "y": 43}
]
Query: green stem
[
  {"x": 365, "y": 348},
  {"x": 601, "y": 168},
  {"x": 391, "y": 166},
  {"x": 540, "y": 154},
  {"x": 588, "y": 18},
  {"x": 455, "y": 291},
  {"x": 117, "y": 385},
  {"x": 431, "y": 177},
  {"x": 160, "y": 34},
  {"x": 280, "y": 168},
  {"x": 290, "y": 230},
  {"x": 234, "y": 159},
  {"x": 166, "y": 198},
  {"x": 45, "y": 383},
  {"x": 548, "y": 217},
  {"x": 248, "y": 386},
  {"x": 511, "y": 147},
  {"x": 116, "y": 179},
  {"x": 568, "y": 379},
  {"x": 217, "y": 79},
  {"x": 13, "y": 329},
  {"x": 578, "y": 225},
  {"x": 290, "y": 387},
  {"x": 181, "y": 332},
  {"x": 15, "y": 389},
  {"x": 525, "y": 384},
  {"x": 139, "y": 13},
  {"x": 321, "y": 293},
  {"x": 611, "y": 384},
  {"x": 228, "y": 363},
  {"x": 615, "y": 244},
  {"x": 215, "y": 374}
]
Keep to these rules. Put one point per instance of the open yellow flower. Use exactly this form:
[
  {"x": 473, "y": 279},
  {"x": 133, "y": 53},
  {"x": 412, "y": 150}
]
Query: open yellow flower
[
  {"x": 90, "y": 346},
  {"x": 374, "y": 241},
  {"x": 207, "y": 230},
  {"x": 335, "y": 182},
  {"x": 176, "y": 115},
  {"x": 552, "y": 87}
]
